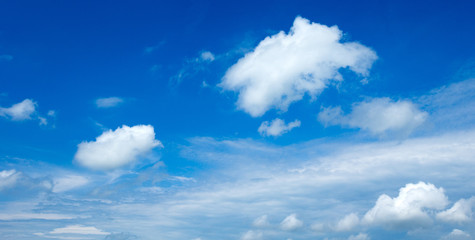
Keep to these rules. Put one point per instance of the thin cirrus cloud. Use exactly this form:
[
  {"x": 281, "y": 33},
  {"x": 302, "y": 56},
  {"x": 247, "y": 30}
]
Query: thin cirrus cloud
[
  {"x": 113, "y": 149},
  {"x": 108, "y": 102},
  {"x": 285, "y": 67},
  {"x": 379, "y": 116},
  {"x": 276, "y": 127},
  {"x": 67, "y": 183}
]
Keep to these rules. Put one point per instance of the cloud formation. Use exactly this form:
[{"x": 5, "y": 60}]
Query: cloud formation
[
  {"x": 67, "y": 183},
  {"x": 460, "y": 212},
  {"x": 408, "y": 209},
  {"x": 252, "y": 235},
  {"x": 23, "y": 110},
  {"x": 108, "y": 102},
  {"x": 291, "y": 223},
  {"x": 348, "y": 223},
  {"x": 113, "y": 149},
  {"x": 457, "y": 234},
  {"x": 261, "y": 221},
  {"x": 277, "y": 127},
  {"x": 379, "y": 116},
  {"x": 79, "y": 229},
  {"x": 360, "y": 236},
  {"x": 8, "y": 178},
  {"x": 285, "y": 67}
]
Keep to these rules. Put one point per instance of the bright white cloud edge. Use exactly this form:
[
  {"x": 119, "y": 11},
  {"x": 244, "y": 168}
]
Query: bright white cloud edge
[
  {"x": 114, "y": 149},
  {"x": 285, "y": 67}
]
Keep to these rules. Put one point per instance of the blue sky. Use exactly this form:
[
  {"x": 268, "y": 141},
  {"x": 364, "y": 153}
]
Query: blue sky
[{"x": 211, "y": 120}]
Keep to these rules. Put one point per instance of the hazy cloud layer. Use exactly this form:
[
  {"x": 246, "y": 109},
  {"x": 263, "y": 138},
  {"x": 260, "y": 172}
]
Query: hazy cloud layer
[{"x": 379, "y": 116}]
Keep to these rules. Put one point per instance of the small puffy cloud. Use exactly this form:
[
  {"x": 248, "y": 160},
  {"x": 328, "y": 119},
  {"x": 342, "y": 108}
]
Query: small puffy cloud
[
  {"x": 348, "y": 223},
  {"x": 108, "y": 102},
  {"x": 261, "y": 221},
  {"x": 79, "y": 229},
  {"x": 8, "y": 178},
  {"x": 285, "y": 67},
  {"x": 68, "y": 182},
  {"x": 207, "y": 56},
  {"x": 460, "y": 212},
  {"x": 23, "y": 110},
  {"x": 378, "y": 116},
  {"x": 361, "y": 236},
  {"x": 277, "y": 127},
  {"x": 457, "y": 234},
  {"x": 113, "y": 149},
  {"x": 408, "y": 209},
  {"x": 291, "y": 223},
  {"x": 252, "y": 235}
]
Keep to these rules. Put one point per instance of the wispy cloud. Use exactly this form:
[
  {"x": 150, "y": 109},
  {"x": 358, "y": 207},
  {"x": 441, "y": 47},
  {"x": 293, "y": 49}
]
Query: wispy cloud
[
  {"x": 379, "y": 116},
  {"x": 277, "y": 127},
  {"x": 108, "y": 102}
]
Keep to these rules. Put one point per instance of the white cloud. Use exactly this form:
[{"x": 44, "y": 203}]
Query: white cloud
[
  {"x": 23, "y": 110},
  {"x": 207, "y": 56},
  {"x": 8, "y": 178},
  {"x": 407, "y": 210},
  {"x": 460, "y": 212},
  {"x": 457, "y": 234},
  {"x": 79, "y": 229},
  {"x": 361, "y": 236},
  {"x": 31, "y": 216},
  {"x": 68, "y": 182},
  {"x": 261, "y": 221},
  {"x": 285, "y": 67},
  {"x": 291, "y": 223},
  {"x": 113, "y": 149},
  {"x": 108, "y": 102},
  {"x": 348, "y": 223},
  {"x": 451, "y": 106},
  {"x": 252, "y": 235},
  {"x": 277, "y": 127},
  {"x": 378, "y": 116}
]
